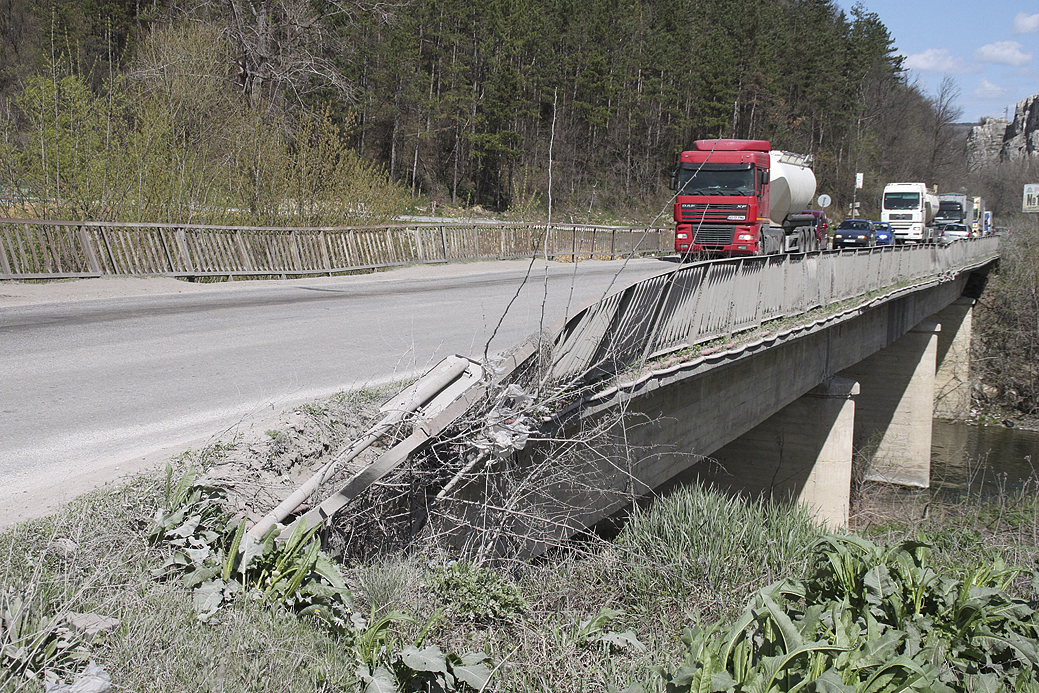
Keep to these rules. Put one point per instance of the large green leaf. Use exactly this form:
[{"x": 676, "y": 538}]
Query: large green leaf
[
  {"x": 428, "y": 659},
  {"x": 473, "y": 670}
]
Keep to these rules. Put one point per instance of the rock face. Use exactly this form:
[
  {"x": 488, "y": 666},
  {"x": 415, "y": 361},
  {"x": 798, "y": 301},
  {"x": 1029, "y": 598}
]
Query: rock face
[
  {"x": 985, "y": 142},
  {"x": 996, "y": 139},
  {"x": 1022, "y": 136}
]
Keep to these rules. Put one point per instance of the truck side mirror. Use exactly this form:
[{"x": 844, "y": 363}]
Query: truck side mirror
[{"x": 674, "y": 180}]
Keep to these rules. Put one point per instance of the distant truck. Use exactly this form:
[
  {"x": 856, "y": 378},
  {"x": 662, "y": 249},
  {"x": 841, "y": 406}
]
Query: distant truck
[
  {"x": 955, "y": 208},
  {"x": 910, "y": 208},
  {"x": 740, "y": 197},
  {"x": 977, "y": 224}
]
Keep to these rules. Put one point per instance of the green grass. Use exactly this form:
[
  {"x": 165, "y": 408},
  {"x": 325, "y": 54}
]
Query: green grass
[{"x": 591, "y": 618}]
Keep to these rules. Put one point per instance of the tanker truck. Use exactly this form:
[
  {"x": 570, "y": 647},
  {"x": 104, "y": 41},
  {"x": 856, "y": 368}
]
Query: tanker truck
[
  {"x": 740, "y": 197},
  {"x": 910, "y": 208}
]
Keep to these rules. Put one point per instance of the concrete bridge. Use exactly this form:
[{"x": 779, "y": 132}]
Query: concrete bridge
[{"x": 760, "y": 375}]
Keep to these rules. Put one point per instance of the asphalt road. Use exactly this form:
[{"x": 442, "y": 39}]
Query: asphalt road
[{"x": 94, "y": 388}]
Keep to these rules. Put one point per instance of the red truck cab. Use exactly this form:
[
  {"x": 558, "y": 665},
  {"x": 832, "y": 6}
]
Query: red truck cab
[{"x": 722, "y": 197}]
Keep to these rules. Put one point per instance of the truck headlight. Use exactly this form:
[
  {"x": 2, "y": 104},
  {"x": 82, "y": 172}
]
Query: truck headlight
[
  {"x": 682, "y": 235},
  {"x": 745, "y": 237}
]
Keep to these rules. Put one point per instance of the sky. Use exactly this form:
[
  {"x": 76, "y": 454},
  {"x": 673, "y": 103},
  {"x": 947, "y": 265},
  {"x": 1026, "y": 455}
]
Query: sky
[{"x": 990, "y": 48}]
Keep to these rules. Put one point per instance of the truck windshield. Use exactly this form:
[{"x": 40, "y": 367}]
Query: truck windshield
[
  {"x": 901, "y": 200},
  {"x": 950, "y": 210},
  {"x": 707, "y": 182}
]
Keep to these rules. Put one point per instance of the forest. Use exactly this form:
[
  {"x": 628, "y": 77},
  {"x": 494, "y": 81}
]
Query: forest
[{"x": 339, "y": 111}]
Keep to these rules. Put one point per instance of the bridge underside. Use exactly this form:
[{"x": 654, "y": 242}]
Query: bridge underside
[{"x": 781, "y": 417}]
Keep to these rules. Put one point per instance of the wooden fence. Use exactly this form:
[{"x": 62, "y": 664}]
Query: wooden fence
[{"x": 36, "y": 249}]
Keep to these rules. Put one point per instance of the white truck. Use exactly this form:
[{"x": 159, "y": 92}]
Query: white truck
[
  {"x": 955, "y": 208},
  {"x": 978, "y": 226},
  {"x": 910, "y": 208}
]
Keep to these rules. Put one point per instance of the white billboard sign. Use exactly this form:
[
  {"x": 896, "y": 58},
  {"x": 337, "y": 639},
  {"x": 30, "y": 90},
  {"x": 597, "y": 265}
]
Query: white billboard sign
[{"x": 1031, "y": 199}]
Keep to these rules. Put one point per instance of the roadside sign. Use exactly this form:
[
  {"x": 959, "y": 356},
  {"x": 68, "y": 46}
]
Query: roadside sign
[
  {"x": 1031, "y": 198},
  {"x": 824, "y": 201},
  {"x": 858, "y": 180}
]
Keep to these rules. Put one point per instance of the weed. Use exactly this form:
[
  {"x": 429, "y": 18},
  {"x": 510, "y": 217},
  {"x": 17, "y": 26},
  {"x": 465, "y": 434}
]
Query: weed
[
  {"x": 34, "y": 644},
  {"x": 205, "y": 545},
  {"x": 870, "y": 618},
  {"x": 478, "y": 594}
]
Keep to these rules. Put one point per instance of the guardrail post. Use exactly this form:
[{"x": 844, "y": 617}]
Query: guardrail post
[
  {"x": 108, "y": 249},
  {"x": 351, "y": 243},
  {"x": 166, "y": 250},
  {"x": 243, "y": 252},
  {"x": 88, "y": 249},
  {"x": 326, "y": 263},
  {"x": 182, "y": 243},
  {"x": 418, "y": 245},
  {"x": 297, "y": 258},
  {"x": 5, "y": 264}
]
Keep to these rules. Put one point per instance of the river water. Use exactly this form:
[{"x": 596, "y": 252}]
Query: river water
[{"x": 983, "y": 459}]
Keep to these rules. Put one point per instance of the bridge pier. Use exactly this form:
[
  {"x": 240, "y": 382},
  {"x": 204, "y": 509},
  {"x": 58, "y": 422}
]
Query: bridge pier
[
  {"x": 952, "y": 380},
  {"x": 893, "y": 413},
  {"x": 804, "y": 452}
]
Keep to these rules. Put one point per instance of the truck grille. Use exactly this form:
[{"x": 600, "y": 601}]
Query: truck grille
[
  {"x": 900, "y": 217},
  {"x": 696, "y": 212},
  {"x": 714, "y": 235}
]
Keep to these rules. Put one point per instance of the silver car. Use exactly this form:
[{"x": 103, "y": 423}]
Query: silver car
[{"x": 953, "y": 232}]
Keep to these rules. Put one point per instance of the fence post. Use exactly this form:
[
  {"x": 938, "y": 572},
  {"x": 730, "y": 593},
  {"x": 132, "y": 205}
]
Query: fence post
[{"x": 443, "y": 240}]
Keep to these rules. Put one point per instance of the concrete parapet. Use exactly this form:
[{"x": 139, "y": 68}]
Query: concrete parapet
[
  {"x": 893, "y": 413},
  {"x": 803, "y": 452},
  {"x": 952, "y": 379}
]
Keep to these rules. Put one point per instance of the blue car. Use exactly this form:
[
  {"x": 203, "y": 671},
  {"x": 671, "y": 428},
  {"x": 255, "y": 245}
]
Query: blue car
[{"x": 885, "y": 235}]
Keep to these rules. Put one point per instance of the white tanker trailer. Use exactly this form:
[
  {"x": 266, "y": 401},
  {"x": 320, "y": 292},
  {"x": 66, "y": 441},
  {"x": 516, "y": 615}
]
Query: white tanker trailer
[
  {"x": 791, "y": 189},
  {"x": 724, "y": 188}
]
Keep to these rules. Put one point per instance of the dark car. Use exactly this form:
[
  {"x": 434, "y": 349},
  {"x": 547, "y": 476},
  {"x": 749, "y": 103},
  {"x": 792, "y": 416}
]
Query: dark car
[
  {"x": 822, "y": 229},
  {"x": 885, "y": 234},
  {"x": 855, "y": 232}
]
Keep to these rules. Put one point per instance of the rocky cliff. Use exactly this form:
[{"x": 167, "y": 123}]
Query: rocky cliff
[
  {"x": 1022, "y": 136},
  {"x": 997, "y": 139},
  {"x": 985, "y": 142}
]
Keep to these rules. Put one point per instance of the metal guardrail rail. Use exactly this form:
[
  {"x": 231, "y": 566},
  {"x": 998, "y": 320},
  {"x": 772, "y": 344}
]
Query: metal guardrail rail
[
  {"x": 697, "y": 303},
  {"x": 42, "y": 249}
]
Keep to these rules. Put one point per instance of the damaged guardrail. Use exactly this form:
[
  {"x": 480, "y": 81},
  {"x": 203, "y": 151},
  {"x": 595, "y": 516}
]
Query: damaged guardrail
[{"x": 688, "y": 305}]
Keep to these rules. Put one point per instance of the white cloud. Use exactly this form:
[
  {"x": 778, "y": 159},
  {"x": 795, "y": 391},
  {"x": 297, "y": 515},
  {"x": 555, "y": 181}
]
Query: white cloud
[
  {"x": 934, "y": 60},
  {"x": 988, "y": 90},
  {"x": 1003, "y": 53},
  {"x": 1026, "y": 23}
]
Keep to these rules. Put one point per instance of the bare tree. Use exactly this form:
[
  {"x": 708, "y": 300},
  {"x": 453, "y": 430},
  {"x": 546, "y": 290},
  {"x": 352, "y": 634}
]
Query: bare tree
[
  {"x": 286, "y": 47},
  {"x": 945, "y": 115}
]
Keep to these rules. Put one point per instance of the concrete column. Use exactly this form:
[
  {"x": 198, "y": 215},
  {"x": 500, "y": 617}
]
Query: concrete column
[
  {"x": 952, "y": 380},
  {"x": 803, "y": 452},
  {"x": 893, "y": 412}
]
